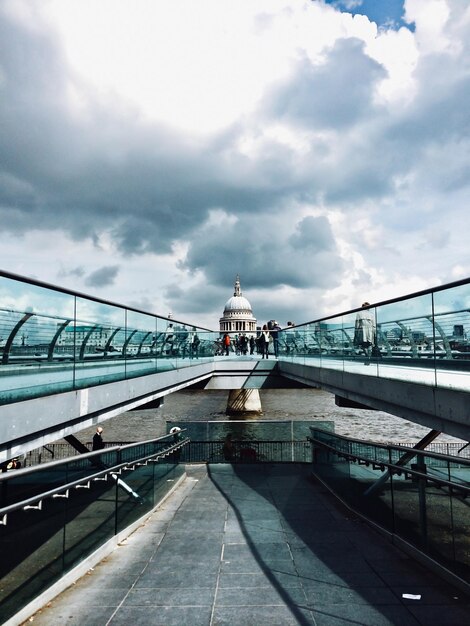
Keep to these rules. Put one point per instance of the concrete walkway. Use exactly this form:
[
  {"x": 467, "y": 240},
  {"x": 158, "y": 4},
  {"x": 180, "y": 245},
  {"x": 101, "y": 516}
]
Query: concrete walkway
[{"x": 253, "y": 546}]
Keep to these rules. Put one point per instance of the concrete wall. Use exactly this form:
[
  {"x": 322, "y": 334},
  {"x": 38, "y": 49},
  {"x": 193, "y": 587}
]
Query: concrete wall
[{"x": 437, "y": 408}]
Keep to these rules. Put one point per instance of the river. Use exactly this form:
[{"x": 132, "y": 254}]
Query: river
[{"x": 280, "y": 404}]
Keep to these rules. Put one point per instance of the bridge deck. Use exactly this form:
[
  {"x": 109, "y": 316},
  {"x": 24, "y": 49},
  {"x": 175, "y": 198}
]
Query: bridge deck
[{"x": 243, "y": 545}]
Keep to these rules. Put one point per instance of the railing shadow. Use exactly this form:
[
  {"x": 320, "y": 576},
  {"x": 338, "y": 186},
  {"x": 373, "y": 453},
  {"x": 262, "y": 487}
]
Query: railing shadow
[{"x": 326, "y": 547}]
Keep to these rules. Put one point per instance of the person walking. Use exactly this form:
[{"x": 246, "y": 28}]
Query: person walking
[
  {"x": 226, "y": 343},
  {"x": 194, "y": 344},
  {"x": 275, "y": 336},
  {"x": 364, "y": 330},
  {"x": 167, "y": 346},
  {"x": 264, "y": 342},
  {"x": 228, "y": 449},
  {"x": 98, "y": 443}
]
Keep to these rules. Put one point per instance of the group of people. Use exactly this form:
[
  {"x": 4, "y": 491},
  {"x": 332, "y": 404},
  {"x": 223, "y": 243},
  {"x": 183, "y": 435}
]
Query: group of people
[
  {"x": 12, "y": 464},
  {"x": 365, "y": 337},
  {"x": 180, "y": 341},
  {"x": 237, "y": 451},
  {"x": 241, "y": 344},
  {"x": 184, "y": 342}
]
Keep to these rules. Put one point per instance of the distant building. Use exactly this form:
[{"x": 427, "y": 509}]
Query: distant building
[
  {"x": 238, "y": 316},
  {"x": 96, "y": 336}
]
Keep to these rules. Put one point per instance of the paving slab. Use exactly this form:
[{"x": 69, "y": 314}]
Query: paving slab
[{"x": 248, "y": 545}]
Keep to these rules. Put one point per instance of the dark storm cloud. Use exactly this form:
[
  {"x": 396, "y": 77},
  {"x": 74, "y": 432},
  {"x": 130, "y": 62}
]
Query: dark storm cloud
[
  {"x": 199, "y": 298},
  {"x": 106, "y": 170},
  {"x": 102, "y": 277},
  {"x": 78, "y": 272},
  {"x": 257, "y": 248},
  {"x": 335, "y": 94},
  {"x": 142, "y": 184},
  {"x": 313, "y": 235}
]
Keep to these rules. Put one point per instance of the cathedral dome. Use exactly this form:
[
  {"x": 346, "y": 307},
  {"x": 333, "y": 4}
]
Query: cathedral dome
[
  {"x": 238, "y": 315},
  {"x": 237, "y": 303}
]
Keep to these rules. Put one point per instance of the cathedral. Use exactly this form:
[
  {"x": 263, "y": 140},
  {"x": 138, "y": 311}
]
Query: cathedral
[{"x": 238, "y": 316}]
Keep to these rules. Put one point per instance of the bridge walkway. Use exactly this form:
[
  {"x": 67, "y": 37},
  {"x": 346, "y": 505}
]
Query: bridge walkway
[{"x": 264, "y": 545}]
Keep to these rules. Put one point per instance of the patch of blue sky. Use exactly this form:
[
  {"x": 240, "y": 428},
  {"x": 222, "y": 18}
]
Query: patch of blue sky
[{"x": 385, "y": 13}]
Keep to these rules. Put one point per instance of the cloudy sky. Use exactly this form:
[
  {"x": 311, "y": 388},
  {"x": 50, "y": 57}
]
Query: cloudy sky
[{"x": 150, "y": 150}]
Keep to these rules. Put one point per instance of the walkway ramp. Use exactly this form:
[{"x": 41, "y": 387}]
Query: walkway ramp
[{"x": 255, "y": 545}]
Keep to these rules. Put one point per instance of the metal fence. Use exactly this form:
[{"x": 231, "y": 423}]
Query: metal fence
[
  {"x": 198, "y": 451},
  {"x": 249, "y": 452},
  {"x": 60, "y": 450},
  {"x": 211, "y": 451}
]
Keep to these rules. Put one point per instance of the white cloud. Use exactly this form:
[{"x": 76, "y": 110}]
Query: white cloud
[{"x": 430, "y": 17}]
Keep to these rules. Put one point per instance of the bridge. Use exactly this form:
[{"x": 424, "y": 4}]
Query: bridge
[{"x": 69, "y": 361}]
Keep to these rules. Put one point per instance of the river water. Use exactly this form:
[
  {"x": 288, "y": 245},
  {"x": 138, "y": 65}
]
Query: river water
[{"x": 279, "y": 404}]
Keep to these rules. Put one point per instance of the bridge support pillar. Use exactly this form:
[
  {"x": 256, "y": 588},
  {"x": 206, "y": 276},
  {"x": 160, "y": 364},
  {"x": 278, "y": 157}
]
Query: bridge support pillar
[{"x": 243, "y": 401}]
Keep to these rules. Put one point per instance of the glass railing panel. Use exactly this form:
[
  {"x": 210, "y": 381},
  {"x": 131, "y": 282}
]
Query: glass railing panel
[
  {"x": 139, "y": 348},
  {"x": 411, "y": 497},
  {"x": 359, "y": 342},
  {"x": 406, "y": 509},
  {"x": 334, "y": 470},
  {"x": 405, "y": 336},
  {"x": 370, "y": 492},
  {"x": 31, "y": 320},
  {"x": 181, "y": 344},
  {"x": 461, "y": 532},
  {"x": 305, "y": 341},
  {"x": 459, "y": 473},
  {"x": 192, "y": 344},
  {"x": 296, "y": 340},
  {"x": 166, "y": 474},
  {"x": 89, "y": 519},
  {"x": 438, "y": 531},
  {"x": 209, "y": 345},
  {"x": 20, "y": 296},
  {"x": 293, "y": 341},
  {"x": 41, "y": 543},
  {"x": 24, "y": 484},
  {"x": 366, "y": 486},
  {"x": 141, "y": 488},
  {"x": 99, "y": 336},
  {"x": 134, "y": 495},
  {"x": 31, "y": 556},
  {"x": 452, "y": 336},
  {"x": 331, "y": 342},
  {"x": 166, "y": 340}
]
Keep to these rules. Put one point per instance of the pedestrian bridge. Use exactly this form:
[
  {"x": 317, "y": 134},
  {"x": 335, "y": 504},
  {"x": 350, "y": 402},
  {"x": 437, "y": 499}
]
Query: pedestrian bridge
[{"x": 69, "y": 361}]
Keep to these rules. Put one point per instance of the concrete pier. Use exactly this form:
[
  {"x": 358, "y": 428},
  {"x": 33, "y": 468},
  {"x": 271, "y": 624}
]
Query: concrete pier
[
  {"x": 243, "y": 401},
  {"x": 263, "y": 545}
]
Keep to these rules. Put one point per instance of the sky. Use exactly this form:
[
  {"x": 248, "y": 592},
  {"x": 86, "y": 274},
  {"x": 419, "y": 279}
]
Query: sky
[{"x": 151, "y": 150}]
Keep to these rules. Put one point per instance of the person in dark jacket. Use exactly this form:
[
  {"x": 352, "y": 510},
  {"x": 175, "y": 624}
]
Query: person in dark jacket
[
  {"x": 264, "y": 341},
  {"x": 275, "y": 335},
  {"x": 98, "y": 443}
]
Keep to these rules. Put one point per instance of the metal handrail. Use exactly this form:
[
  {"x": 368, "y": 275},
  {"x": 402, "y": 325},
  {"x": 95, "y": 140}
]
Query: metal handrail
[
  {"x": 86, "y": 455},
  {"x": 78, "y": 294},
  {"x": 395, "y": 469},
  {"x": 404, "y": 449},
  {"x": 115, "y": 469},
  {"x": 424, "y": 292}
]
